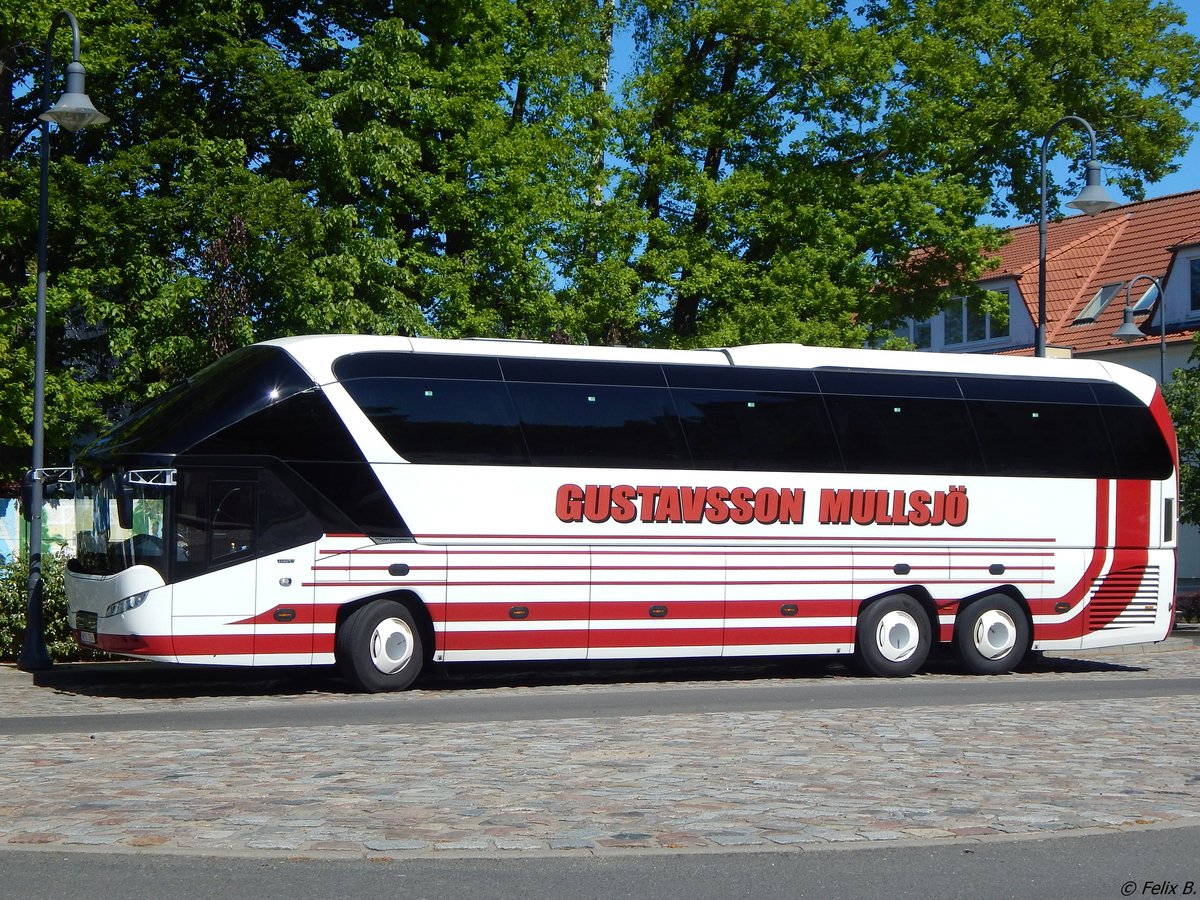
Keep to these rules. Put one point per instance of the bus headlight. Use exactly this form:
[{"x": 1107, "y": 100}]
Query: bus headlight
[{"x": 125, "y": 604}]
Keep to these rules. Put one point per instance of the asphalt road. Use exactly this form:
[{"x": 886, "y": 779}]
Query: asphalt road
[{"x": 1156, "y": 862}]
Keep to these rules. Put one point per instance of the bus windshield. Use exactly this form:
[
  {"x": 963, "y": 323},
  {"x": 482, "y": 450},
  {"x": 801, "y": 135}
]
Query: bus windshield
[{"x": 104, "y": 546}]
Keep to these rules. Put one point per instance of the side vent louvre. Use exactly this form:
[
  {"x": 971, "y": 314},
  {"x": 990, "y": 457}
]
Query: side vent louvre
[{"x": 1124, "y": 599}]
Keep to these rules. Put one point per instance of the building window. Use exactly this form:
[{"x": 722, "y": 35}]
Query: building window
[
  {"x": 1195, "y": 272},
  {"x": 1148, "y": 297},
  {"x": 965, "y": 325},
  {"x": 919, "y": 333},
  {"x": 1097, "y": 304}
]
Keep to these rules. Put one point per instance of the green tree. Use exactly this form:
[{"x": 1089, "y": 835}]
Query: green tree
[
  {"x": 664, "y": 172},
  {"x": 1183, "y": 398},
  {"x": 788, "y": 156},
  {"x": 454, "y": 133}
]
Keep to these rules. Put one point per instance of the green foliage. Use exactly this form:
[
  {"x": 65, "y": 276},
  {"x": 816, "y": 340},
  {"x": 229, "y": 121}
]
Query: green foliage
[
  {"x": 14, "y": 588},
  {"x": 1183, "y": 398},
  {"x": 652, "y": 172}
]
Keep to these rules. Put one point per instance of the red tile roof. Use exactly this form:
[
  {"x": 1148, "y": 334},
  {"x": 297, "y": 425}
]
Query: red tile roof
[{"x": 1085, "y": 253}]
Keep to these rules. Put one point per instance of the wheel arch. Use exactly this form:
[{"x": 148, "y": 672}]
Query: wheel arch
[
  {"x": 1004, "y": 590},
  {"x": 917, "y": 592},
  {"x": 406, "y": 598}
]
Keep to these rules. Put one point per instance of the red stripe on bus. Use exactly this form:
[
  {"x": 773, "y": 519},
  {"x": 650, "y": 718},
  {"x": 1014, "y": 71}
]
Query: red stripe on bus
[
  {"x": 768, "y": 609},
  {"x": 517, "y": 640},
  {"x": 214, "y": 644},
  {"x": 1162, "y": 418},
  {"x": 1129, "y": 558},
  {"x": 552, "y": 611},
  {"x": 676, "y": 610},
  {"x": 304, "y": 614},
  {"x": 1073, "y": 627},
  {"x": 196, "y": 646}
]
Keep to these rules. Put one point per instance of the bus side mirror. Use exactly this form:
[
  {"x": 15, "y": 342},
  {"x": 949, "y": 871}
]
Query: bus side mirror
[
  {"x": 27, "y": 481},
  {"x": 124, "y": 505}
]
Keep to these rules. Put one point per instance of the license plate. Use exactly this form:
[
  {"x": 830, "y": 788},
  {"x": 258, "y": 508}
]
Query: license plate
[{"x": 87, "y": 637}]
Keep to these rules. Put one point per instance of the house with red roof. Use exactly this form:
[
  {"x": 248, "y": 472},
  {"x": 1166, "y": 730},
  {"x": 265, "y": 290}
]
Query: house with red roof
[{"x": 1093, "y": 264}]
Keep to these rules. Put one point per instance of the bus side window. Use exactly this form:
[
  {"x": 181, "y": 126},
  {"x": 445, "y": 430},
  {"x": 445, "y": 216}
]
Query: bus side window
[
  {"x": 214, "y": 521},
  {"x": 283, "y": 520},
  {"x": 232, "y": 531}
]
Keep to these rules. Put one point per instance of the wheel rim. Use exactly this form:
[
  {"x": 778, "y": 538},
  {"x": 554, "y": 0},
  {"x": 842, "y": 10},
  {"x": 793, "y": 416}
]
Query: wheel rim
[
  {"x": 897, "y": 636},
  {"x": 995, "y": 634},
  {"x": 391, "y": 645}
]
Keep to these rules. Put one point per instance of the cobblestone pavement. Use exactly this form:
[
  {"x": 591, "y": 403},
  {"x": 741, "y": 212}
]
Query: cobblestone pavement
[{"x": 708, "y": 782}]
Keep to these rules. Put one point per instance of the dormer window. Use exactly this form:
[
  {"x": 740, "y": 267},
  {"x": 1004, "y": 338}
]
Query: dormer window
[
  {"x": 1147, "y": 299},
  {"x": 1097, "y": 304},
  {"x": 964, "y": 325}
]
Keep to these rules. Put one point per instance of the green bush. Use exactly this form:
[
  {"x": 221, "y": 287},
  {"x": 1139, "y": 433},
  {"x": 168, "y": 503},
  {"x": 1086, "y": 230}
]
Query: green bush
[{"x": 14, "y": 587}]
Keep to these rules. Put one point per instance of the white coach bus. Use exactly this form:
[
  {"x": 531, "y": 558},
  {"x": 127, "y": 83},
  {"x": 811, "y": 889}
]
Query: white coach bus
[{"x": 384, "y": 502}]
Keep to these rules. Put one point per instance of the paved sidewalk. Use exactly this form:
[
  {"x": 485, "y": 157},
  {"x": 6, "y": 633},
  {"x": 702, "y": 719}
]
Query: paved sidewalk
[{"x": 760, "y": 780}]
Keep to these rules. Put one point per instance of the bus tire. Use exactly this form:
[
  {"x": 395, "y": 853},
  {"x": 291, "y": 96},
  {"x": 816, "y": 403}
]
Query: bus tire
[
  {"x": 991, "y": 635},
  {"x": 379, "y": 648},
  {"x": 894, "y": 637}
]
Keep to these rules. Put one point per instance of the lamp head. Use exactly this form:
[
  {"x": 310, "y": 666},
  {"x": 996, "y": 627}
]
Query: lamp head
[
  {"x": 1128, "y": 332},
  {"x": 1093, "y": 198},
  {"x": 74, "y": 109}
]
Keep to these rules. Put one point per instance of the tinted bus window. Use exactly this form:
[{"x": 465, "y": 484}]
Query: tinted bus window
[
  {"x": 564, "y": 371},
  {"x": 1137, "y": 441},
  {"x": 416, "y": 365},
  {"x": 283, "y": 519},
  {"x": 595, "y": 413},
  {"x": 1040, "y": 429},
  {"x": 443, "y": 420},
  {"x": 599, "y": 425},
  {"x": 232, "y": 389},
  {"x": 303, "y": 426},
  {"x": 215, "y": 520},
  {"x": 756, "y": 430},
  {"x": 727, "y": 378},
  {"x": 900, "y": 423}
]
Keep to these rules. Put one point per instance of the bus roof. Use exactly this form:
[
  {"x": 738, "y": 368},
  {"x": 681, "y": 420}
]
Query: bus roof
[{"x": 317, "y": 353}]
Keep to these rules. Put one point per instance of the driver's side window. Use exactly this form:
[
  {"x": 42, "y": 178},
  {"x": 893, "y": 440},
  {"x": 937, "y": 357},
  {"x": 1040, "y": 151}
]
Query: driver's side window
[
  {"x": 232, "y": 532},
  {"x": 215, "y": 521}
]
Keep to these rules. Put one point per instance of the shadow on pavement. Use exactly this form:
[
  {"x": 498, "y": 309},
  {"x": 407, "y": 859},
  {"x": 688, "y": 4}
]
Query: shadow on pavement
[{"x": 133, "y": 679}]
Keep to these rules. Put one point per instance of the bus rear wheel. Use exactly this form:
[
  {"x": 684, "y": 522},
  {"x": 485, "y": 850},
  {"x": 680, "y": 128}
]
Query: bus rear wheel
[
  {"x": 379, "y": 647},
  {"x": 991, "y": 635},
  {"x": 894, "y": 637}
]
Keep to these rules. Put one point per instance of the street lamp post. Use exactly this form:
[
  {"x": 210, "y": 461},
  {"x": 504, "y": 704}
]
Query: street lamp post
[
  {"x": 1129, "y": 332},
  {"x": 1092, "y": 199},
  {"x": 73, "y": 111}
]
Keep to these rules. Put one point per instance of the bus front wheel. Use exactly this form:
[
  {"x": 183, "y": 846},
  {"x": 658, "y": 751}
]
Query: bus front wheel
[
  {"x": 378, "y": 647},
  {"x": 894, "y": 637},
  {"x": 991, "y": 635}
]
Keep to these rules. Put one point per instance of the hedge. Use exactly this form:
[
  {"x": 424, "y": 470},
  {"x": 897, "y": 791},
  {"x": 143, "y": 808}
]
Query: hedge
[{"x": 14, "y": 587}]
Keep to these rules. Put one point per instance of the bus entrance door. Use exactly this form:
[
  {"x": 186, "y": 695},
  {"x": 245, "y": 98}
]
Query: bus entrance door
[{"x": 214, "y": 568}]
